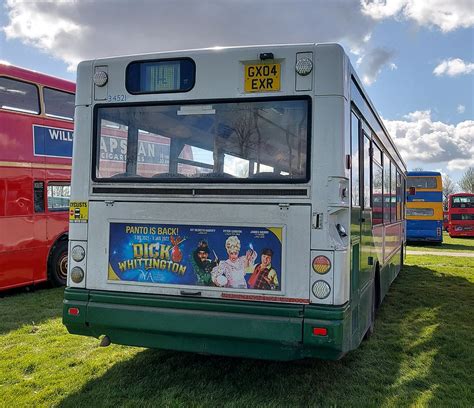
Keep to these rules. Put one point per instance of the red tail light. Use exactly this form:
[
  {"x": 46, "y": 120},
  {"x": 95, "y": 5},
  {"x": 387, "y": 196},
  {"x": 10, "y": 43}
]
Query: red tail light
[
  {"x": 73, "y": 311},
  {"x": 320, "y": 331}
]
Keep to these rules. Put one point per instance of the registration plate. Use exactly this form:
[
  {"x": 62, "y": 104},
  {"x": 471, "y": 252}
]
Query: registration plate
[{"x": 262, "y": 77}]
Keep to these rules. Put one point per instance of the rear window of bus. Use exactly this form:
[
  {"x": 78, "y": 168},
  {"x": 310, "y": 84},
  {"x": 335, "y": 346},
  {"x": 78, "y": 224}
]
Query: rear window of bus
[
  {"x": 19, "y": 96},
  {"x": 422, "y": 182},
  {"x": 238, "y": 141}
]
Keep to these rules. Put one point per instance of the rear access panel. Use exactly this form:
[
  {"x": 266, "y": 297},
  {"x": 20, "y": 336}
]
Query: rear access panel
[{"x": 233, "y": 251}]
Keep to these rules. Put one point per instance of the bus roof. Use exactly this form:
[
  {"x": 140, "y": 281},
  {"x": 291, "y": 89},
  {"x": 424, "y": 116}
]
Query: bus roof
[
  {"x": 461, "y": 195},
  {"x": 37, "y": 77},
  {"x": 423, "y": 173}
]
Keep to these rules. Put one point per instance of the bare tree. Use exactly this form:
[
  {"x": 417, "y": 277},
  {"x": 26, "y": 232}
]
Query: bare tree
[
  {"x": 449, "y": 187},
  {"x": 467, "y": 181},
  {"x": 245, "y": 128},
  {"x": 418, "y": 169}
]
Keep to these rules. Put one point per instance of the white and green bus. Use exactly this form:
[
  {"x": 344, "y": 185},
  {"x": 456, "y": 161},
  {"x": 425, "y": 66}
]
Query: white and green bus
[{"x": 241, "y": 201}]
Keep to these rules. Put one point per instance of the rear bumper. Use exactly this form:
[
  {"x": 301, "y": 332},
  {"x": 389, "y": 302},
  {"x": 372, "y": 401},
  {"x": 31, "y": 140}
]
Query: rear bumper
[{"x": 223, "y": 327}]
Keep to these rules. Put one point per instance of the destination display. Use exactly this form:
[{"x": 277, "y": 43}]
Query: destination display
[{"x": 248, "y": 258}]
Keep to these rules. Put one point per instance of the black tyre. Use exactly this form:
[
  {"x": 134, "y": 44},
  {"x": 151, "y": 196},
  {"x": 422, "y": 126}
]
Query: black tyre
[{"x": 58, "y": 264}]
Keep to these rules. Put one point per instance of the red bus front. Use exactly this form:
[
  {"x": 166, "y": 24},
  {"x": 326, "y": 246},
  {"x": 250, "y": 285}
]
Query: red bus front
[{"x": 461, "y": 215}]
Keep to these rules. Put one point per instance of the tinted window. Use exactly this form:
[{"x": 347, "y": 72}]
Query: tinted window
[
  {"x": 420, "y": 212},
  {"x": 58, "y": 104},
  {"x": 58, "y": 197},
  {"x": 19, "y": 96},
  {"x": 366, "y": 172},
  {"x": 462, "y": 202},
  {"x": 421, "y": 182},
  {"x": 462, "y": 217},
  {"x": 355, "y": 160},
  {"x": 386, "y": 189},
  {"x": 377, "y": 197},
  {"x": 258, "y": 140},
  {"x": 393, "y": 190}
]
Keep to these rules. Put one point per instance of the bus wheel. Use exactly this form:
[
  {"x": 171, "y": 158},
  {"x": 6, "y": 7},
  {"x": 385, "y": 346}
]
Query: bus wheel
[{"x": 58, "y": 264}]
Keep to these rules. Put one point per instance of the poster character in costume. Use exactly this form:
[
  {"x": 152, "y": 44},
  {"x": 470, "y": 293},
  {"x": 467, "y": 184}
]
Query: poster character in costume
[
  {"x": 264, "y": 277},
  {"x": 231, "y": 272},
  {"x": 202, "y": 265}
]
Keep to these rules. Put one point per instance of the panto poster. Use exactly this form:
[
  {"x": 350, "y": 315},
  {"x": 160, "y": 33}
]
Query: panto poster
[{"x": 212, "y": 256}]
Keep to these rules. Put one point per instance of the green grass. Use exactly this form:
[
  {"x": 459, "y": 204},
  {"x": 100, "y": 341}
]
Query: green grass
[
  {"x": 449, "y": 244},
  {"x": 420, "y": 355}
]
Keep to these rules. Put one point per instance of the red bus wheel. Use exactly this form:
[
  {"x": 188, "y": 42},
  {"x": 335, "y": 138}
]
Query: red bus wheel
[{"x": 58, "y": 264}]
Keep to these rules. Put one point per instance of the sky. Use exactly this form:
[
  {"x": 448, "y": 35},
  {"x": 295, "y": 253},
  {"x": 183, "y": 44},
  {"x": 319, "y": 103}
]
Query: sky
[{"x": 416, "y": 57}]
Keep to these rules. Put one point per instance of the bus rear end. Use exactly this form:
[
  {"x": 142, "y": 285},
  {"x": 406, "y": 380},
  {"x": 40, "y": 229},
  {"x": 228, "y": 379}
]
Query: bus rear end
[
  {"x": 424, "y": 207},
  {"x": 209, "y": 208},
  {"x": 461, "y": 215}
]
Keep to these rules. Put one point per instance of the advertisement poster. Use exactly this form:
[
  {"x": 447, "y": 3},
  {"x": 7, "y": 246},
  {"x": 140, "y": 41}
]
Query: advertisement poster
[
  {"x": 212, "y": 256},
  {"x": 52, "y": 142}
]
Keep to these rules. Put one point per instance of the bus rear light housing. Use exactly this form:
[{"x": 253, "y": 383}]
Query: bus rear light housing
[
  {"x": 321, "y": 289},
  {"x": 73, "y": 311},
  {"x": 321, "y": 264},
  {"x": 100, "y": 78},
  {"x": 77, "y": 274},
  {"x": 304, "y": 66},
  {"x": 78, "y": 253},
  {"x": 320, "y": 331}
]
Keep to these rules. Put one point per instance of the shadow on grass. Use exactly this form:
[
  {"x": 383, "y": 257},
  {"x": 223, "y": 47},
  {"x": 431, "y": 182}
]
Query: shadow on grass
[
  {"x": 420, "y": 354},
  {"x": 19, "y": 307}
]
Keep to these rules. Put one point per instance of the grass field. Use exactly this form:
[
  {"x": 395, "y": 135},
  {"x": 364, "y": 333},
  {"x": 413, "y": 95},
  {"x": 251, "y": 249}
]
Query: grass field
[
  {"x": 449, "y": 244},
  {"x": 421, "y": 354}
]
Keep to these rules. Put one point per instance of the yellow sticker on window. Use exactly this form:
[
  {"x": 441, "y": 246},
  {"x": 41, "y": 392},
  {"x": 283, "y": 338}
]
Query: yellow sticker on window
[{"x": 78, "y": 211}]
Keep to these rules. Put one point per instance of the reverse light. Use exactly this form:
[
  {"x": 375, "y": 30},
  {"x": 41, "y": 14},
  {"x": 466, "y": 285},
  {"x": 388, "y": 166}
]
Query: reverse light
[
  {"x": 78, "y": 253},
  {"x": 100, "y": 78},
  {"x": 321, "y": 289},
  {"x": 304, "y": 66},
  {"x": 321, "y": 264},
  {"x": 77, "y": 274}
]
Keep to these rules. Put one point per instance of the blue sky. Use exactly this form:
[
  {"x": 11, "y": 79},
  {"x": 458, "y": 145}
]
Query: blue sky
[{"x": 395, "y": 45}]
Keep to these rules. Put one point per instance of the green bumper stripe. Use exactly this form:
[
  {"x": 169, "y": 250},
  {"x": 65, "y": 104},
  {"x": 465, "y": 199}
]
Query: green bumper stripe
[{"x": 252, "y": 329}]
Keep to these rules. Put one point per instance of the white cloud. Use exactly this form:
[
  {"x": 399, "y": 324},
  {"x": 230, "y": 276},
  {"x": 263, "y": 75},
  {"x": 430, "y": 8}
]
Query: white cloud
[
  {"x": 461, "y": 109},
  {"x": 453, "y": 67},
  {"x": 76, "y": 30},
  {"x": 447, "y": 15},
  {"x": 422, "y": 140}
]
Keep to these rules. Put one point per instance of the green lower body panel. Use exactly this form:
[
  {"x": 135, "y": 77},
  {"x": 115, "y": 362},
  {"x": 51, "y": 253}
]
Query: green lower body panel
[{"x": 214, "y": 326}]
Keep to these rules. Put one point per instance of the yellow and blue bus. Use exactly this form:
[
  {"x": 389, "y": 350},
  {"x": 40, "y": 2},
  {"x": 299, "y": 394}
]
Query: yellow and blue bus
[{"x": 424, "y": 206}]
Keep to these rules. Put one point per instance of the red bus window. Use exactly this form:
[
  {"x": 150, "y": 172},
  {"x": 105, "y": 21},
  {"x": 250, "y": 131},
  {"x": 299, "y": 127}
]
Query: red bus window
[{"x": 19, "y": 96}]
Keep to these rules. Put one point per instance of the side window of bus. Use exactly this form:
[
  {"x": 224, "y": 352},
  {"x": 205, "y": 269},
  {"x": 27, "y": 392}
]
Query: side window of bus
[
  {"x": 58, "y": 197},
  {"x": 58, "y": 104},
  {"x": 367, "y": 201},
  {"x": 399, "y": 196},
  {"x": 377, "y": 182},
  {"x": 386, "y": 189},
  {"x": 355, "y": 177},
  {"x": 393, "y": 190},
  {"x": 19, "y": 96}
]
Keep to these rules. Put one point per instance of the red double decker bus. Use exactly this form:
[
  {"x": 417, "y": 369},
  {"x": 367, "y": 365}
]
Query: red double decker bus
[
  {"x": 461, "y": 215},
  {"x": 36, "y": 131}
]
